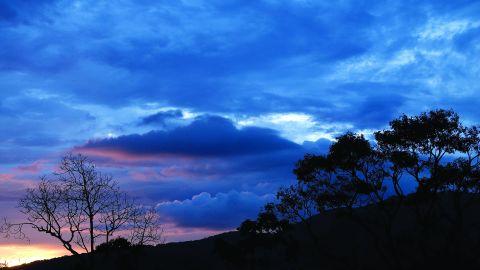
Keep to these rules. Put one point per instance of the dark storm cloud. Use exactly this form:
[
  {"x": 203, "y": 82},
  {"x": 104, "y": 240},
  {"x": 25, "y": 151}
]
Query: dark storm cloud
[{"x": 206, "y": 136}]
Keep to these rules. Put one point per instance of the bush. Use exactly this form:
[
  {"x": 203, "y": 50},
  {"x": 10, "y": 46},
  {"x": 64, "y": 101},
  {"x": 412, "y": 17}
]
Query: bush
[{"x": 115, "y": 244}]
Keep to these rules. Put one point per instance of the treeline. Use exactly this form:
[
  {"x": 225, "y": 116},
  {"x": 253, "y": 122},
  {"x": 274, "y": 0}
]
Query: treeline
[{"x": 363, "y": 182}]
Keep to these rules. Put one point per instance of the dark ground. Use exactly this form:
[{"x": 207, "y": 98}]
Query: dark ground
[{"x": 343, "y": 244}]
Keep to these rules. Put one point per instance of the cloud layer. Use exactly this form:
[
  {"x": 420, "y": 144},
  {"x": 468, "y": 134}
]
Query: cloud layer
[
  {"x": 206, "y": 136},
  {"x": 199, "y": 104},
  {"x": 221, "y": 211}
]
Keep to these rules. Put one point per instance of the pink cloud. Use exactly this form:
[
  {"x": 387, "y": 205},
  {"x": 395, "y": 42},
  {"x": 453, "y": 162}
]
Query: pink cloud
[
  {"x": 4, "y": 177},
  {"x": 157, "y": 167},
  {"x": 116, "y": 157},
  {"x": 145, "y": 176},
  {"x": 184, "y": 171},
  {"x": 22, "y": 176},
  {"x": 34, "y": 167}
]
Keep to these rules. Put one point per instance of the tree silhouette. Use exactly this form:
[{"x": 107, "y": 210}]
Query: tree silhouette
[
  {"x": 115, "y": 244},
  {"x": 265, "y": 233},
  {"x": 79, "y": 206},
  {"x": 365, "y": 181},
  {"x": 146, "y": 228}
]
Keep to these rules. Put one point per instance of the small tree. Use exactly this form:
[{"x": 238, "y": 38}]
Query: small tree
[
  {"x": 146, "y": 227},
  {"x": 119, "y": 213},
  {"x": 115, "y": 244}
]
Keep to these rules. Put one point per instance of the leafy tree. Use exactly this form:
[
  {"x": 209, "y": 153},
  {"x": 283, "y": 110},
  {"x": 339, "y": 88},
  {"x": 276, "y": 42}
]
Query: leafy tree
[{"x": 365, "y": 181}]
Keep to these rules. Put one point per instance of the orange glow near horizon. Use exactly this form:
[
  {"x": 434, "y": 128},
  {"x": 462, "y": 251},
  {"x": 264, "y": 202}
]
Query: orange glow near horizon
[
  {"x": 19, "y": 254},
  {"x": 16, "y": 254}
]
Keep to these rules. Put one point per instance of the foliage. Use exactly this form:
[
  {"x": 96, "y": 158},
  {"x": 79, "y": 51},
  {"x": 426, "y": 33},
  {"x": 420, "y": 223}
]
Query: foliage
[
  {"x": 432, "y": 151},
  {"x": 114, "y": 244}
]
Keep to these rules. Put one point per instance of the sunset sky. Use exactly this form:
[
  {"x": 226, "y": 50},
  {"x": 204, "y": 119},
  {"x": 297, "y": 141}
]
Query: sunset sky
[{"x": 201, "y": 108}]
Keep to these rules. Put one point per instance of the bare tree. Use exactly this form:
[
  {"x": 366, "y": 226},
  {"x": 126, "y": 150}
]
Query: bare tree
[
  {"x": 91, "y": 190},
  {"x": 147, "y": 229},
  {"x": 81, "y": 205},
  {"x": 47, "y": 210},
  {"x": 118, "y": 213}
]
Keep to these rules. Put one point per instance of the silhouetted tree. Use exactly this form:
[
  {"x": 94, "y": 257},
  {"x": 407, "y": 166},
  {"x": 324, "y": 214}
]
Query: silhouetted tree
[
  {"x": 49, "y": 210},
  {"x": 120, "y": 211},
  {"x": 146, "y": 227},
  {"x": 265, "y": 233},
  {"x": 81, "y": 205},
  {"x": 115, "y": 244},
  {"x": 93, "y": 193},
  {"x": 433, "y": 150}
]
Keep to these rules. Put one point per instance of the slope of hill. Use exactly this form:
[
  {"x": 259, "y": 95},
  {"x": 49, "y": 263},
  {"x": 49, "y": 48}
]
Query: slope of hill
[{"x": 342, "y": 244}]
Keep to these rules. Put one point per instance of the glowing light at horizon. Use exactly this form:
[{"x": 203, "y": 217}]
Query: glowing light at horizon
[{"x": 14, "y": 254}]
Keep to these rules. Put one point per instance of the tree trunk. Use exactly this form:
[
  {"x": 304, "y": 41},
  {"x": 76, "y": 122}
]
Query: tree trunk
[{"x": 92, "y": 238}]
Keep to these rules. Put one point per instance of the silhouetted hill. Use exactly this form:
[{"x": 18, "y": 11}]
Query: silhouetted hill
[{"x": 343, "y": 244}]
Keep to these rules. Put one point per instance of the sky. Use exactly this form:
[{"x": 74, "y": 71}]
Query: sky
[{"x": 201, "y": 108}]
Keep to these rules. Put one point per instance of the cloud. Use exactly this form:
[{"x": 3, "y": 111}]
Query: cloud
[
  {"x": 22, "y": 11},
  {"x": 366, "y": 104},
  {"x": 287, "y": 75},
  {"x": 246, "y": 57},
  {"x": 35, "y": 123},
  {"x": 467, "y": 40},
  {"x": 220, "y": 211},
  {"x": 193, "y": 57},
  {"x": 319, "y": 146},
  {"x": 206, "y": 136},
  {"x": 161, "y": 118}
]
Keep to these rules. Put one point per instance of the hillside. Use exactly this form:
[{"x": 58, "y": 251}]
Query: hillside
[
  {"x": 199, "y": 254},
  {"x": 343, "y": 245}
]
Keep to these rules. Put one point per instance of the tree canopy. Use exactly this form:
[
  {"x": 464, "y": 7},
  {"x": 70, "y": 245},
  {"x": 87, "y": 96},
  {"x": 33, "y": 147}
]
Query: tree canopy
[{"x": 422, "y": 170}]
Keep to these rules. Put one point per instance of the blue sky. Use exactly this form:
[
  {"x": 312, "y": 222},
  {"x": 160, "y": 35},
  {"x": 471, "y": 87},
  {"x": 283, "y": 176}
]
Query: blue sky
[{"x": 202, "y": 107}]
